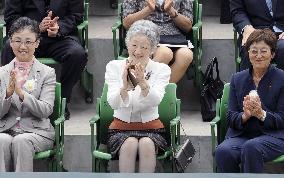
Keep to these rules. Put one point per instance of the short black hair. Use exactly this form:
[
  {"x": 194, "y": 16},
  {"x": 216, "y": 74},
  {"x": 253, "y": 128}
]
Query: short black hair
[{"x": 23, "y": 23}]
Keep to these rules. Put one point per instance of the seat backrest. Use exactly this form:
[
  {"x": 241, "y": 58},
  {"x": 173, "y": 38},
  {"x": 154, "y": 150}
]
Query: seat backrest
[
  {"x": 106, "y": 116},
  {"x": 196, "y": 15},
  {"x": 168, "y": 108},
  {"x": 167, "y": 111},
  {"x": 86, "y": 10},
  {"x": 196, "y": 18},
  {"x": 223, "y": 113},
  {"x": 57, "y": 104},
  {"x": 122, "y": 31}
]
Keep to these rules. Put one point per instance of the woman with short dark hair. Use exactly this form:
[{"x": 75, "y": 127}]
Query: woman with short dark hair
[
  {"x": 27, "y": 92},
  {"x": 255, "y": 114}
]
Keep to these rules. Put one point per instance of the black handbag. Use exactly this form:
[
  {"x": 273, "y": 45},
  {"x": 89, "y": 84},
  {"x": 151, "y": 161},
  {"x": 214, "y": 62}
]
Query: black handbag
[
  {"x": 212, "y": 89},
  {"x": 183, "y": 156}
]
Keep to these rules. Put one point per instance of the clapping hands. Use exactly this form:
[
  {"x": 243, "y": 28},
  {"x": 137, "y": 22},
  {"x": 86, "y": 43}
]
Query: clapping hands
[
  {"x": 137, "y": 71},
  {"x": 14, "y": 86},
  {"x": 151, "y": 4},
  {"x": 168, "y": 5},
  {"x": 252, "y": 107},
  {"x": 49, "y": 25}
]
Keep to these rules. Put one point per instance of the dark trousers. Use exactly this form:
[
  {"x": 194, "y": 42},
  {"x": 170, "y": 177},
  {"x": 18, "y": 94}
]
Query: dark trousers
[
  {"x": 278, "y": 59},
  {"x": 67, "y": 51},
  {"x": 248, "y": 153}
]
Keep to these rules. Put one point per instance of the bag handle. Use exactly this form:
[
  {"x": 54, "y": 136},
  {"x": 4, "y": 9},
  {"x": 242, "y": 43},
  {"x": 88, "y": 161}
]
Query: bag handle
[
  {"x": 215, "y": 63},
  {"x": 209, "y": 71}
]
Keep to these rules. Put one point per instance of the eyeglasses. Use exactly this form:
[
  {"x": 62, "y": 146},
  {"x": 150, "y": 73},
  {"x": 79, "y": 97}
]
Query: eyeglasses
[
  {"x": 142, "y": 47},
  {"x": 262, "y": 52},
  {"x": 26, "y": 43}
]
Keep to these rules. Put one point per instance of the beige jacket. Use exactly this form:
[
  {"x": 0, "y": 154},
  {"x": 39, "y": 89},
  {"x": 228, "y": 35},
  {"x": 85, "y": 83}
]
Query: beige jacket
[{"x": 38, "y": 101}]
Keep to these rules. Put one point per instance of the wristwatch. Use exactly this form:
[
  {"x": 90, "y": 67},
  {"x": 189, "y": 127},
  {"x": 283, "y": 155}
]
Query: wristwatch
[
  {"x": 58, "y": 35},
  {"x": 243, "y": 29},
  {"x": 264, "y": 116}
]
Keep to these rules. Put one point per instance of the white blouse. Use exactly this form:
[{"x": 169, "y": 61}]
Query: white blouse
[{"x": 137, "y": 108}]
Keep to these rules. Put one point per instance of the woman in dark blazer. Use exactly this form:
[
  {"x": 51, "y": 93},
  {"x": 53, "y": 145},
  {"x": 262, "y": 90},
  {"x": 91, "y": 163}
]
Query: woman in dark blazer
[{"x": 256, "y": 110}]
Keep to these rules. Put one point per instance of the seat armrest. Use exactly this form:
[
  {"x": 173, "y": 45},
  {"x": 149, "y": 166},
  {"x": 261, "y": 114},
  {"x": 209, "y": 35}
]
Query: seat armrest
[
  {"x": 60, "y": 120},
  {"x": 101, "y": 155},
  {"x": 116, "y": 26},
  {"x": 175, "y": 132},
  {"x": 166, "y": 154},
  {"x": 94, "y": 119},
  {"x": 82, "y": 32},
  {"x": 82, "y": 26}
]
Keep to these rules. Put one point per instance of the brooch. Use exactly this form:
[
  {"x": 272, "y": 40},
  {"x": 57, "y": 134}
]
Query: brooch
[
  {"x": 148, "y": 75},
  {"x": 30, "y": 85}
]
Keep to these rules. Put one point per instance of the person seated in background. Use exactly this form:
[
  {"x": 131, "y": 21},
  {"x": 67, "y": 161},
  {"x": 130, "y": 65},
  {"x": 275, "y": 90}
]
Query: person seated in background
[
  {"x": 27, "y": 93},
  {"x": 113, "y": 4},
  {"x": 255, "y": 114},
  {"x": 136, "y": 128},
  {"x": 174, "y": 18},
  {"x": 58, "y": 26},
  {"x": 258, "y": 14}
]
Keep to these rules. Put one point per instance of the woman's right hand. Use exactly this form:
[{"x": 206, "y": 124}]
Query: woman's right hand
[
  {"x": 124, "y": 76},
  {"x": 12, "y": 82},
  {"x": 151, "y": 4},
  {"x": 247, "y": 109},
  {"x": 45, "y": 23}
]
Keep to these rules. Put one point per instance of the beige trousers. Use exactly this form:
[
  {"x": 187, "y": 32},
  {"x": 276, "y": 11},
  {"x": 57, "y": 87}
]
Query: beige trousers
[{"x": 20, "y": 151}]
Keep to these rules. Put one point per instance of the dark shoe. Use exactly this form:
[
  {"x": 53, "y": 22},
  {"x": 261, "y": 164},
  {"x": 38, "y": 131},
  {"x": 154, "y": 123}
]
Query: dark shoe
[{"x": 67, "y": 114}]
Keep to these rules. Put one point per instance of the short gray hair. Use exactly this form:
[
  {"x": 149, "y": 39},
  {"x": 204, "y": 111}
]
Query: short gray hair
[{"x": 147, "y": 28}]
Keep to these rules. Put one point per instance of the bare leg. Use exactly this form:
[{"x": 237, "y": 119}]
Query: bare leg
[
  {"x": 127, "y": 155},
  {"x": 147, "y": 156},
  {"x": 183, "y": 58},
  {"x": 163, "y": 54}
]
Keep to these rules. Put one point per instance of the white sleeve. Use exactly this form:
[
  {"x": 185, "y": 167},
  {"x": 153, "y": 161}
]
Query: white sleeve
[
  {"x": 113, "y": 78},
  {"x": 157, "y": 87},
  {"x": 5, "y": 104}
]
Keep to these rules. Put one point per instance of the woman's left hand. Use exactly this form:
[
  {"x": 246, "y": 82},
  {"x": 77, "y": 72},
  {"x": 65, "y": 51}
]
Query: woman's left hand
[
  {"x": 281, "y": 36},
  {"x": 168, "y": 5},
  {"x": 139, "y": 73},
  {"x": 256, "y": 110},
  {"x": 18, "y": 90}
]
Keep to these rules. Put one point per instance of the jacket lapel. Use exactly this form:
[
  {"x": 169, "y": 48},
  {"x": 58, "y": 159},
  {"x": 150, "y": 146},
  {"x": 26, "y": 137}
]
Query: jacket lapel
[{"x": 33, "y": 77}]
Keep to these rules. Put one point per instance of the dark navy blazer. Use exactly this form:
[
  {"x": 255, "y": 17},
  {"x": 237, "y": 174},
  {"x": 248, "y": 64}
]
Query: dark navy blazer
[
  {"x": 256, "y": 13},
  {"x": 271, "y": 93}
]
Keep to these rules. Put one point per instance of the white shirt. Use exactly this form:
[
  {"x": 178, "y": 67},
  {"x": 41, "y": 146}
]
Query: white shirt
[{"x": 136, "y": 108}]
